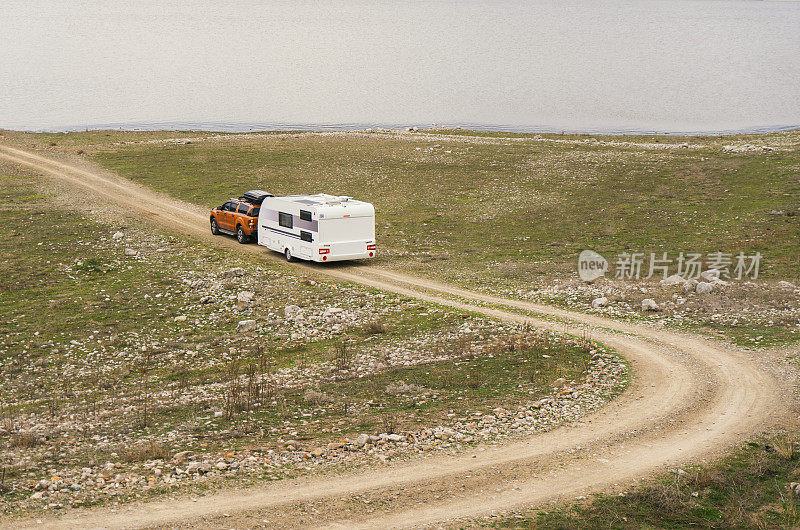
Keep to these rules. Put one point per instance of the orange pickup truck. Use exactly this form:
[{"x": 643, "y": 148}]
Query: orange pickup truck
[{"x": 239, "y": 217}]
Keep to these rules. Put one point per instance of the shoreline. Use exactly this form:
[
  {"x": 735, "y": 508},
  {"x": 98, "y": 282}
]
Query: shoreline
[{"x": 241, "y": 128}]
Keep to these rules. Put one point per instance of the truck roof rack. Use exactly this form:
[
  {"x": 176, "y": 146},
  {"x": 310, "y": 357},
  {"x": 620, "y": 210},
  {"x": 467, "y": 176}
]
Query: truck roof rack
[{"x": 256, "y": 196}]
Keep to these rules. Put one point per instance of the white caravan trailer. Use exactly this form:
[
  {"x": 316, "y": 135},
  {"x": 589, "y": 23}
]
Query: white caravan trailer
[{"x": 317, "y": 227}]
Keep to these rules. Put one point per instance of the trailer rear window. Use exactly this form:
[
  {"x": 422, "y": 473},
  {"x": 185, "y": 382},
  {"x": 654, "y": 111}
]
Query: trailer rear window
[
  {"x": 285, "y": 219},
  {"x": 306, "y": 236},
  {"x": 305, "y": 215}
]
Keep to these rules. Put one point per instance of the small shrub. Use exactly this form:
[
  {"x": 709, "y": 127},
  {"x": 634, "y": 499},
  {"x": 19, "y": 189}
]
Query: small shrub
[
  {"x": 233, "y": 392},
  {"x": 474, "y": 379},
  {"x": 389, "y": 422},
  {"x": 342, "y": 356},
  {"x": 787, "y": 448}
]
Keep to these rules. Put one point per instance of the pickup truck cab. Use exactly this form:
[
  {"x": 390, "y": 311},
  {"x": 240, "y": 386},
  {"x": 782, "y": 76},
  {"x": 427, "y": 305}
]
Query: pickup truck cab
[{"x": 239, "y": 217}]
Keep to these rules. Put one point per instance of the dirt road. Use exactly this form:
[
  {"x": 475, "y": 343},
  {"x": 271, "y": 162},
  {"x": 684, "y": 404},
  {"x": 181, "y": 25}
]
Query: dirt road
[{"x": 690, "y": 399}]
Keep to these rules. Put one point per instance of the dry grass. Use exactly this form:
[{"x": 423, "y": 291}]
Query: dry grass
[
  {"x": 24, "y": 440},
  {"x": 316, "y": 398},
  {"x": 374, "y": 327},
  {"x": 144, "y": 451}
]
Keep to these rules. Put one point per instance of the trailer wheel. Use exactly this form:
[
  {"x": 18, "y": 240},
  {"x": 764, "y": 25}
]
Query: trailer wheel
[
  {"x": 288, "y": 254},
  {"x": 214, "y": 227},
  {"x": 240, "y": 235}
]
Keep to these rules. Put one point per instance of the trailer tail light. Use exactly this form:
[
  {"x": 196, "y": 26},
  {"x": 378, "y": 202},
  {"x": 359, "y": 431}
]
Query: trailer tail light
[
  {"x": 372, "y": 247},
  {"x": 324, "y": 251}
]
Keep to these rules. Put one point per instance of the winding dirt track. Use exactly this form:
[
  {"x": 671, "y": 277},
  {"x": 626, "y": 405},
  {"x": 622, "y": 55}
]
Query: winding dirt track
[{"x": 690, "y": 398}]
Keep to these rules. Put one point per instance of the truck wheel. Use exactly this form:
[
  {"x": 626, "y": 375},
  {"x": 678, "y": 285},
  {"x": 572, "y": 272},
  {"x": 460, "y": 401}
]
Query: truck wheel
[
  {"x": 240, "y": 235},
  {"x": 288, "y": 254},
  {"x": 214, "y": 227}
]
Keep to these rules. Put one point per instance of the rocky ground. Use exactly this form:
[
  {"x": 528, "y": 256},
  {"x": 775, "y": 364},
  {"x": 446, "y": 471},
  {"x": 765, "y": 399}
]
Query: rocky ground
[
  {"x": 750, "y": 313},
  {"x": 87, "y": 485},
  {"x": 201, "y": 395}
]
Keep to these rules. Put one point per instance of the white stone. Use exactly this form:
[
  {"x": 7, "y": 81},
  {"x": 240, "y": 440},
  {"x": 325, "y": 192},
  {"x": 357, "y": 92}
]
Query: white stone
[
  {"x": 243, "y": 299},
  {"x": 709, "y": 275},
  {"x": 246, "y": 326},
  {"x": 689, "y": 285},
  {"x": 703, "y": 288},
  {"x": 291, "y": 311},
  {"x": 332, "y": 312},
  {"x": 600, "y": 302},
  {"x": 675, "y": 279},
  {"x": 117, "y": 236},
  {"x": 648, "y": 304}
]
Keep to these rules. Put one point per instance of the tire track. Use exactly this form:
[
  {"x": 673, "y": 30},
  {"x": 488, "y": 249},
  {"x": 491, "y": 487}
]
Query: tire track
[{"x": 690, "y": 398}]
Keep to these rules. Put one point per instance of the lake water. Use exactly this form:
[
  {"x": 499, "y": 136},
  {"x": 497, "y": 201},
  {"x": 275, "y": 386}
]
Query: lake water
[{"x": 600, "y": 66}]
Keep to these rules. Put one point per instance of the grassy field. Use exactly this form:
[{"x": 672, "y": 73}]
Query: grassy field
[
  {"x": 748, "y": 489},
  {"x": 509, "y": 213},
  {"x": 110, "y": 361},
  {"x": 495, "y": 215},
  {"x": 504, "y": 210}
]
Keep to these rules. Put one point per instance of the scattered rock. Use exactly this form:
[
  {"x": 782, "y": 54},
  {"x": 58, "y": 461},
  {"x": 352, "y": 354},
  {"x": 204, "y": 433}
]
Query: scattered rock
[
  {"x": 182, "y": 457},
  {"x": 675, "y": 279},
  {"x": 291, "y": 311},
  {"x": 331, "y": 312},
  {"x": 648, "y": 304},
  {"x": 689, "y": 285},
  {"x": 709, "y": 275},
  {"x": 361, "y": 440},
  {"x": 600, "y": 302},
  {"x": 117, "y": 236},
  {"x": 243, "y": 300},
  {"x": 131, "y": 252},
  {"x": 786, "y": 285},
  {"x": 704, "y": 288},
  {"x": 246, "y": 326},
  {"x": 236, "y": 272},
  {"x": 198, "y": 467}
]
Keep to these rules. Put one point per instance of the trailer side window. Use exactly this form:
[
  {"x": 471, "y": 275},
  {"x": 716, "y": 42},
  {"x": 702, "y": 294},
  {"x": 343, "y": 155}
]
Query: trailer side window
[
  {"x": 306, "y": 236},
  {"x": 305, "y": 215},
  {"x": 285, "y": 219}
]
